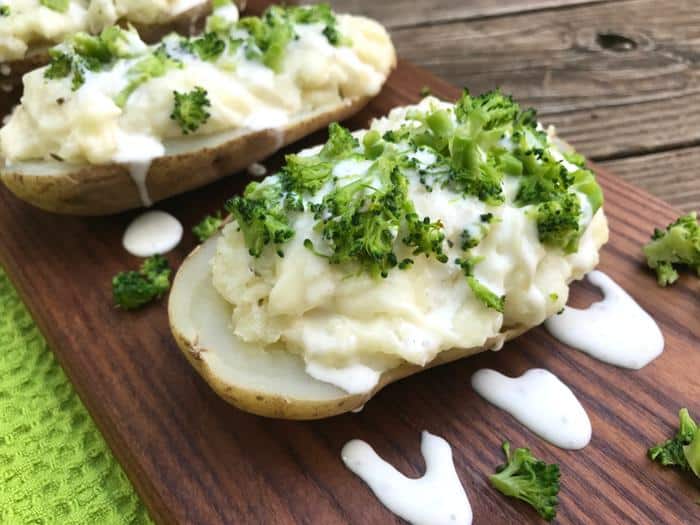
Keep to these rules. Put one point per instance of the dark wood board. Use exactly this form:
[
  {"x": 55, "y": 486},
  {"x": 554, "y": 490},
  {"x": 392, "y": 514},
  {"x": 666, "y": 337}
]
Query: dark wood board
[{"x": 195, "y": 459}]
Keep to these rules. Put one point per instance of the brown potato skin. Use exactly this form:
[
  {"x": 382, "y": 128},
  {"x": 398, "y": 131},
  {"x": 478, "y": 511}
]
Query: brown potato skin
[
  {"x": 108, "y": 189},
  {"x": 186, "y": 23},
  {"x": 281, "y": 407}
]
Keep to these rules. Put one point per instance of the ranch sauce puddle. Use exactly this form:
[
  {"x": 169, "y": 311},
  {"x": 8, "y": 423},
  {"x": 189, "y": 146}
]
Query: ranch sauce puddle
[
  {"x": 437, "y": 498},
  {"x": 151, "y": 233},
  {"x": 541, "y": 402},
  {"x": 615, "y": 330}
]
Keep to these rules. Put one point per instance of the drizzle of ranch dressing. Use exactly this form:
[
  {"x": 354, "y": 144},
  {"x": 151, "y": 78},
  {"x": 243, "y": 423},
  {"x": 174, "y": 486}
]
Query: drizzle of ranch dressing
[
  {"x": 151, "y": 233},
  {"x": 541, "y": 402},
  {"x": 137, "y": 152},
  {"x": 615, "y": 330},
  {"x": 437, "y": 498}
]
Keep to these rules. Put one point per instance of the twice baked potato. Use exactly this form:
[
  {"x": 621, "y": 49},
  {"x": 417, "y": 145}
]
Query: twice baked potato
[
  {"x": 29, "y": 28},
  {"x": 112, "y": 124},
  {"x": 442, "y": 231}
]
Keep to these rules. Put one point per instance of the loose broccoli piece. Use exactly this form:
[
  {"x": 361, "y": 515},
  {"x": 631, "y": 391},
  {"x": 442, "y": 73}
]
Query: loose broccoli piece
[
  {"x": 261, "y": 216},
  {"x": 4, "y": 10},
  {"x": 57, "y": 5},
  {"x": 133, "y": 289},
  {"x": 678, "y": 244},
  {"x": 529, "y": 479},
  {"x": 683, "y": 450},
  {"x": 189, "y": 109},
  {"x": 208, "y": 226}
]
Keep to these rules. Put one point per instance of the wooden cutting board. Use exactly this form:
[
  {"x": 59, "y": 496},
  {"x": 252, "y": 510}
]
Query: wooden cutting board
[{"x": 195, "y": 459}]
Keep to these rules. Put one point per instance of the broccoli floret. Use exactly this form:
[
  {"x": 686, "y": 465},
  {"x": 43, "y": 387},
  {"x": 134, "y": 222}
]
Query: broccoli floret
[
  {"x": 190, "y": 109},
  {"x": 678, "y": 244},
  {"x": 133, "y": 289},
  {"x": 4, "y": 10},
  {"x": 486, "y": 296},
  {"x": 151, "y": 66},
  {"x": 208, "y": 47},
  {"x": 57, "y": 5},
  {"x": 340, "y": 145},
  {"x": 208, "y": 226},
  {"x": 425, "y": 236},
  {"x": 269, "y": 36},
  {"x": 529, "y": 479},
  {"x": 60, "y": 65},
  {"x": 261, "y": 216},
  {"x": 558, "y": 222},
  {"x": 683, "y": 450}
]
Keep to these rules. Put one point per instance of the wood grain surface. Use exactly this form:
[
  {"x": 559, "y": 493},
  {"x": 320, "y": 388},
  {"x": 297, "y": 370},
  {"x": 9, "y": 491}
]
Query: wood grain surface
[
  {"x": 619, "y": 78},
  {"x": 196, "y": 460}
]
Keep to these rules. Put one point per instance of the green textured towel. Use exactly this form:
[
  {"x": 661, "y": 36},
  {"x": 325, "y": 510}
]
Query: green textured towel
[{"x": 55, "y": 466}]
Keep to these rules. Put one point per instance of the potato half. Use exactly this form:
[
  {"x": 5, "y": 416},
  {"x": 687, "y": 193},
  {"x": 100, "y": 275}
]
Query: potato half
[
  {"x": 189, "y": 163},
  {"x": 267, "y": 383}
]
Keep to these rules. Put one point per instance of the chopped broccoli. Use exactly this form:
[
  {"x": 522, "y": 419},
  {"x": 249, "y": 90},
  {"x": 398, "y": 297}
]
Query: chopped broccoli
[
  {"x": 208, "y": 226},
  {"x": 56, "y": 5},
  {"x": 558, "y": 222},
  {"x": 485, "y": 295},
  {"x": 529, "y": 479},
  {"x": 153, "y": 65},
  {"x": 678, "y": 244},
  {"x": 340, "y": 145},
  {"x": 4, "y": 10},
  {"x": 683, "y": 450},
  {"x": 261, "y": 216},
  {"x": 133, "y": 289},
  {"x": 60, "y": 64},
  {"x": 83, "y": 52},
  {"x": 425, "y": 91},
  {"x": 208, "y": 47},
  {"x": 189, "y": 109},
  {"x": 360, "y": 220}
]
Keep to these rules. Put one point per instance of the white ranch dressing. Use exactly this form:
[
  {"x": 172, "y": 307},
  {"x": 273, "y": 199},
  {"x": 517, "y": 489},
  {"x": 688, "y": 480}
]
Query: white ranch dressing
[
  {"x": 137, "y": 152},
  {"x": 541, "y": 402},
  {"x": 615, "y": 330},
  {"x": 354, "y": 379},
  {"x": 152, "y": 232},
  {"x": 437, "y": 498}
]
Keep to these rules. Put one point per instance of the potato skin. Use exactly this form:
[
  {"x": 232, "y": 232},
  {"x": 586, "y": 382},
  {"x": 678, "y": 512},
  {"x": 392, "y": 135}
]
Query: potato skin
[
  {"x": 282, "y": 407},
  {"x": 186, "y": 23},
  {"x": 108, "y": 189}
]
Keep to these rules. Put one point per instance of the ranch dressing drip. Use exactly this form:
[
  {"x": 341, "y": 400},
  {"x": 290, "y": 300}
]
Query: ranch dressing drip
[
  {"x": 615, "y": 330},
  {"x": 151, "y": 233},
  {"x": 437, "y": 498},
  {"x": 136, "y": 152},
  {"x": 541, "y": 402}
]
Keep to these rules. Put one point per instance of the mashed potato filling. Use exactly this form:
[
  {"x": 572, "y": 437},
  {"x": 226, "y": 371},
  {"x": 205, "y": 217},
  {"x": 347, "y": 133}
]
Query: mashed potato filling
[
  {"x": 350, "y": 326},
  {"x": 110, "y": 116},
  {"x": 34, "y": 22}
]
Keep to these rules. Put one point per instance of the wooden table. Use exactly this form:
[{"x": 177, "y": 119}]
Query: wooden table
[{"x": 619, "y": 78}]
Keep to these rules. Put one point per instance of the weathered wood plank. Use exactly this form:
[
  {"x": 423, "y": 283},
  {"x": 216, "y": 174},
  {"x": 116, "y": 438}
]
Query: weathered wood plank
[
  {"x": 673, "y": 176},
  {"x": 403, "y": 13}
]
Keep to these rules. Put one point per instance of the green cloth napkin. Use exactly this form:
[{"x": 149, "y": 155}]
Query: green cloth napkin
[{"x": 55, "y": 467}]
